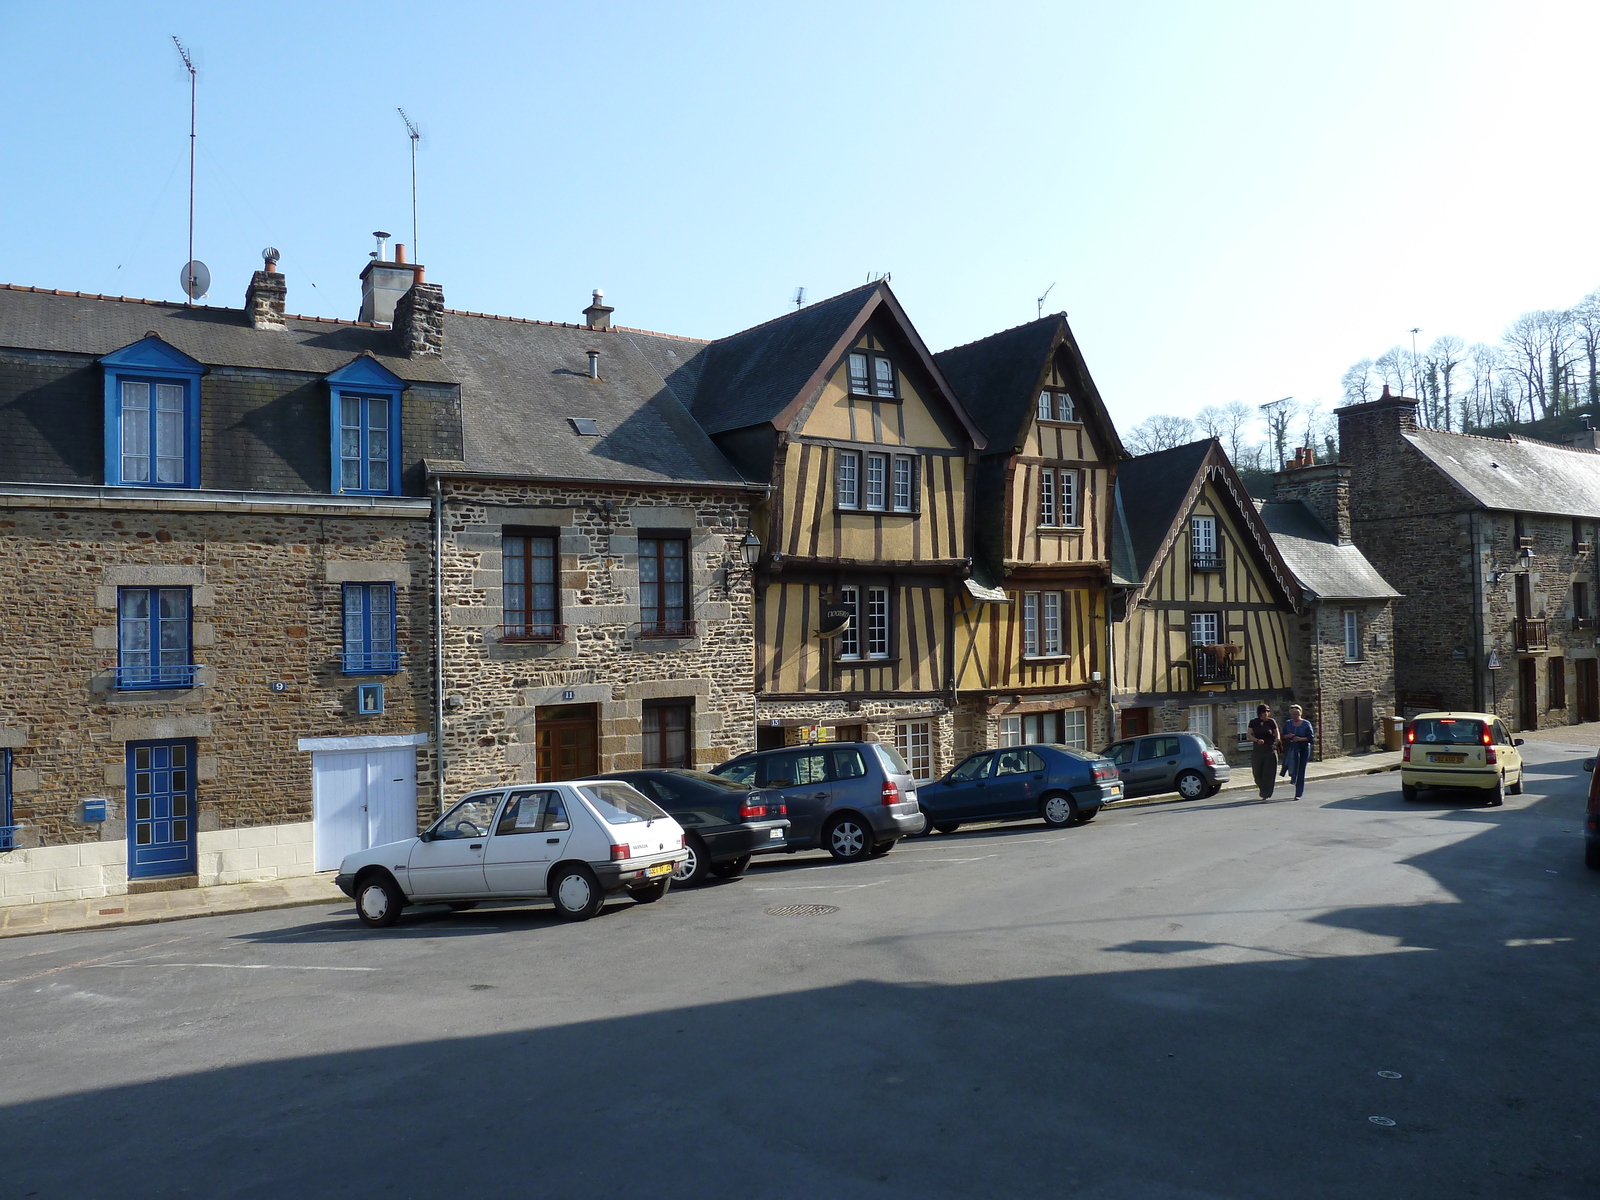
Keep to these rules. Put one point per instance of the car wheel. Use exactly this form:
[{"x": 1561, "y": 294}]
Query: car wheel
[
  {"x": 651, "y": 892},
  {"x": 1497, "y": 796},
  {"x": 948, "y": 826},
  {"x": 927, "y": 824},
  {"x": 576, "y": 892},
  {"x": 1516, "y": 788},
  {"x": 1192, "y": 785},
  {"x": 1408, "y": 791},
  {"x": 1591, "y": 854},
  {"x": 731, "y": 869},
  {"x": 848, "y": 839},
  {"x": 1058, "y": 810},
  {"x": 1213, "y": 790},
  {"x": 692, "y": 869},
  {"x": 463, "y": 905},
  {"x": 378, "y": 901},
  {"x": 879, "y": 850},
  {"x": 1085, "y": 817}
]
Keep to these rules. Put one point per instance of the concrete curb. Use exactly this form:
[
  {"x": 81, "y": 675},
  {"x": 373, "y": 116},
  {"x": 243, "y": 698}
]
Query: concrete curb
[
  {"x": 1247, "y": 783},
  {"x": 163, "y": 918}
]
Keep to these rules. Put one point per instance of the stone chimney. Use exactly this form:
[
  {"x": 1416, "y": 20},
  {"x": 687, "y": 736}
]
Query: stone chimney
[
  {"x": 419, "y": 320},
  {"x": 266, "y": 300},
  {"x": 1324, "y": 489},
  {"x": 597, "y": 315}
]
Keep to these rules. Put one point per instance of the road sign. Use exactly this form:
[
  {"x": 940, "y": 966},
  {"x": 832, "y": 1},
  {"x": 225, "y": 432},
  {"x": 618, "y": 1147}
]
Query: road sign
[{"x": 1494, "y": 660}]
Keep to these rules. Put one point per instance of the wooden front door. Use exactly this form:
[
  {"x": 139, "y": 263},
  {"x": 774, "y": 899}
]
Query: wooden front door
[
  {"x": 1527, "y": 693},
  {"x": 1588, "y": 672},
  {"x": 1135, "y": 722},
  {"x": 568, "y": 736}
]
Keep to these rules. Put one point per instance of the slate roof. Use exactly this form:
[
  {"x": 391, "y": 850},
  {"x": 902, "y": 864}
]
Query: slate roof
[
  {"x": 82, "y": 323},
  {"x": 1151, "y": 489},
  {"x": 521, "y": 381},
  {"x": 1519, "y": 475},
  {"x": 1324, "y": 568},
  {"x": 994, "y": 377}
]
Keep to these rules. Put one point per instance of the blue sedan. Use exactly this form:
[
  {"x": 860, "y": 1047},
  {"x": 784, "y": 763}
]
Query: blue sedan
[{"x": 1017, "y": 783}]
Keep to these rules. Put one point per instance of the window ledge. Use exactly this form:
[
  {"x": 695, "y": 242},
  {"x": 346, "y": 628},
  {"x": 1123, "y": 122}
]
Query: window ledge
[
  {"x": 864, "y": 662},
  {"x": 1046, "y": 658},
  {"x": 878, "y": 512},
  {"x": 1059, "y": 424},
  {"x": 1058, "y": 528},
  {"x": 855, "y": 395}
]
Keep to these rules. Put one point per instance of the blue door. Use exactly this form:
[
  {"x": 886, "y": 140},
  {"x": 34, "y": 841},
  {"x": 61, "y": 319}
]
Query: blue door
[{"x": 161, "y": 833}]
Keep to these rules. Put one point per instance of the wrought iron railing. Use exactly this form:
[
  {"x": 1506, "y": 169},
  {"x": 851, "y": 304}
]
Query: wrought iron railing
[
  {"x": 371, "y": 662},
  {"x": 1533, "y": 633},
  {"x": 1212, "y": 667},
  {"x": 1205, "y": 560},
  {"x": 667, "y": 629},
  {"x": 163, "y": 675},
  {"x": 8, "y": 836},
  {"x": 529, "y": 631}
]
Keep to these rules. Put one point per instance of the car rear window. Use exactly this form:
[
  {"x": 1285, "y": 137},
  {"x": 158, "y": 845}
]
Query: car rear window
[
  {"x": 740, "y": 770},
  {"x": 1446, "y": 729},
  {"x": 721, "y": 784},
  {"x": 894, "y": 758},
  {"x": 621, "y": 804}
]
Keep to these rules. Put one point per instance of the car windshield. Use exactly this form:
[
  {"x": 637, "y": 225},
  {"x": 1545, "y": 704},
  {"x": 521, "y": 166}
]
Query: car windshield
[
  {"x": 710, "y": 780},
  {"x": 621, "y": 804},
  {"x": 1446, "y": 729}
]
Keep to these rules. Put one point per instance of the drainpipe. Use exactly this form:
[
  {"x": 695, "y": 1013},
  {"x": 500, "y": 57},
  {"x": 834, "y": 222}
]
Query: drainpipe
[
  {"x": 1316, "y": 667},
  {"x": 1479, "y": 599},
  {"x": 438, "y": 641}
]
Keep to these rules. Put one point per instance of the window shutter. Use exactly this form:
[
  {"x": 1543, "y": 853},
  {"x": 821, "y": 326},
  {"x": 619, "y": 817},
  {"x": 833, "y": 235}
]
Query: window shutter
[
  {"x": 1349, "y": 736},
  {"x": 1363, "y": 720}
]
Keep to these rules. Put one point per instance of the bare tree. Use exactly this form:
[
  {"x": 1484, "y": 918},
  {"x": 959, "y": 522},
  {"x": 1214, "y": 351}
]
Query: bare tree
[
  {"x": 1444, "y": 356},
  {"x": 1357, "y": 382},
  {"x": 1586, "y": 327},
  {"x": 1527, "y": 341},
  {"x": 1317, "y": 425},
  {"x": 1237, "y": 419},
  {"x": 1160, "y": 432},
  {"x": 1278, "y": 414},
  {"x": 1212, "y": 421},
  {"x": 1390, "y": 367}
]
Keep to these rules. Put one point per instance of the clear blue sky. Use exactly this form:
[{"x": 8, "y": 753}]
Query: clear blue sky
[{"x": 1233, "y": 200}]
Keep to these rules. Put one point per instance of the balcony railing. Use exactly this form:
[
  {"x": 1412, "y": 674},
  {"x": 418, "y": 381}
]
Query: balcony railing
[
  {"x": 151, "y": 676},
  {"x": 1205, "y": 560},
  {"x": 1212, "y": 666},
  {"x": 1532, "y": 633},
  {"x": 8, "y": 836},
  {"x": 530, "y": 631},
  {"x": 668, "y": 629},
  {"x": 371, "y": 662}
]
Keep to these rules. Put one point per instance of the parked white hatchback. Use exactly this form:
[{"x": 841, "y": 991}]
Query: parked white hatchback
[{"x": 573, "y": 842}]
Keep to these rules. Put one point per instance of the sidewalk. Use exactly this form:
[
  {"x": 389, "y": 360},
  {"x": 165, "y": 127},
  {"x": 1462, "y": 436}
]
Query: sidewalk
[
  {"x": 1375, "y": 762},
  {"x": 152, "y": 908}
]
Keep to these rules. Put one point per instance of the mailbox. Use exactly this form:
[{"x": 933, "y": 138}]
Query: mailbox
[{"x": 94, "y": 810}]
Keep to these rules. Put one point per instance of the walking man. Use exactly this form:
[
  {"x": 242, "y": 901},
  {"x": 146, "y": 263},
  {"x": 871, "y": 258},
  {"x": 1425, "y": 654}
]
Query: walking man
[
  {"x": 1297, "y": 733},
  {"x": 1263, "y": 733}
]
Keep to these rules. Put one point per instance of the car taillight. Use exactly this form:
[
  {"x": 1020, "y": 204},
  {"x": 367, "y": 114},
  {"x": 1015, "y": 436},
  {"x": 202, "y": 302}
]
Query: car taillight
[
  {"x": 1490, "y": 757},
  {"x": 1487, "y": 740},
  {"x": 1104, "y": 771},
  {"x": 751, "y": 809},
  {"x": 1405, "y": 755},
  {"x": 618, "y": 853},
  {"x": 1215, "y": 758},
  {"x": 891, "y": 792},
  {"x": 683, "y": 840},
  {"x": 1411, "y": 734}
]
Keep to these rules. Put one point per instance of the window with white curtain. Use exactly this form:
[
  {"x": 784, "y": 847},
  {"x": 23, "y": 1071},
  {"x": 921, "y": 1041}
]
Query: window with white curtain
[
  {"x": 877, "y": 622},
  {"x": 847, "y": 484}
]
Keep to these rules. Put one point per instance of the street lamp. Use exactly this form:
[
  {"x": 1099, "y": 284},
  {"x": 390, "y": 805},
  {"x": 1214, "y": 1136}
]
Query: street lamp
[{"x": 749, "y": 555}]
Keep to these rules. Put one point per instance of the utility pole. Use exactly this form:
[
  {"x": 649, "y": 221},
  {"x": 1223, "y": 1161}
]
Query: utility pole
[
  {"x": 1416, "y": 369},
  {"x": 188, "y": 64}
]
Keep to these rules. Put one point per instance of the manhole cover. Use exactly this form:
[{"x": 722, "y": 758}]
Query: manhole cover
[{"x": 802, "y": 910}]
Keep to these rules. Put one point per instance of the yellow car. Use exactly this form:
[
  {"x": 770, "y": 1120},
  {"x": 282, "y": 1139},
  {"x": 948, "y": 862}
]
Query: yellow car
[{"x": 1460, "y": 750}]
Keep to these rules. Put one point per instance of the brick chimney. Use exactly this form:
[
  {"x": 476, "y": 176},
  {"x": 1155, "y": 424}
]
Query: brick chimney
[
  {"x": 597, "y": 314},
  {"x": 419, "y": 320},
  {"x": 1324, "y": 489},
  {"x": 266, "y": 300}
]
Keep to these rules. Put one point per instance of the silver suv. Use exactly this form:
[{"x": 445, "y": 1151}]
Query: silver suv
[{"x": 853, "y": 799}]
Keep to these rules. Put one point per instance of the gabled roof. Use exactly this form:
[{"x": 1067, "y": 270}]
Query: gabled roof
[
  {"x": 1519, "y": 475},
  {"x": 1155, "y": 493},
  {"x": 766, "y": 374},
  {"x": 1324, "y": 568},
  {"x": 522, "y": 382},
  {"x": 998, "y": 379},
  {"x": 78, "y": 323}
]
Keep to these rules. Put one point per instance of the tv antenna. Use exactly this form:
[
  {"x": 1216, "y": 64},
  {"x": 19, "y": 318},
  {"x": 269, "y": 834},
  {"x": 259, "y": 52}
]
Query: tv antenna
[
  {"x": 1040, "y": 301},
  {"x": 192, "y": 270},
  {"x": 411, "y": 132},
  {"x": 799, "y": 298}
]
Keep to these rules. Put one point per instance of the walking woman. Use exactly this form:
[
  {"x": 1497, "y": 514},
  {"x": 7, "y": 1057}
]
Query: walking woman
[
  {"x": 1297, "y": 733},
  {"x": 1263, "y": 750}
]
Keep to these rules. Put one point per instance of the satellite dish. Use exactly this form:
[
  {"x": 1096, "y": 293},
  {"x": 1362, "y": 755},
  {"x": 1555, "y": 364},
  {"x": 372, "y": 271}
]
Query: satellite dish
[
  {"x": 836, "y": 619},
  {"x": 195, "y": 279}
]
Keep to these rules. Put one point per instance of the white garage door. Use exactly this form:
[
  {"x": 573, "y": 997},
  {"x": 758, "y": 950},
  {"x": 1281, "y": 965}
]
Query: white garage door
[{"x": 361, "y": 798}]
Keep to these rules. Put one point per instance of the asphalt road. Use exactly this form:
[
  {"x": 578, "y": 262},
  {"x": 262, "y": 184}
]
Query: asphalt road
[{"x": 1171, "y": 1003}]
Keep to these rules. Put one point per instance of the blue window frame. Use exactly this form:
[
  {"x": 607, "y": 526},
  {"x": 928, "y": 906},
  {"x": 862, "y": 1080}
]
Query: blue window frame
[
  {"x": 364, "y": 416},
  {"x": 154, "y": 636},
  {"x": 369, "y": 644},
  {"x": 8, "y": 831},
  {"x": 152, "y": 416}
]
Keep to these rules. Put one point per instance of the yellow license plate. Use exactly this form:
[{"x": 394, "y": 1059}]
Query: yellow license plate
[
  {"x": 1447, "y": 758},
  {"x": 659, "y": 869}
]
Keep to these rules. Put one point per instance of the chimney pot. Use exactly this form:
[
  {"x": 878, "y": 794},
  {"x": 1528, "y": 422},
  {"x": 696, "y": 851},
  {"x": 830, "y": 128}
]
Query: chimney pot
[
  {"x": 399, "y": 252},
  {"x": 594, "y": 363}
]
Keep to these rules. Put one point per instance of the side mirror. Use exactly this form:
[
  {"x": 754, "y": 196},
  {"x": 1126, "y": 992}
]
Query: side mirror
[
  {"x": 1516, "y": 741},
  {"x": 1588, "y": 764},
  {"x": 425, "y": 836}
]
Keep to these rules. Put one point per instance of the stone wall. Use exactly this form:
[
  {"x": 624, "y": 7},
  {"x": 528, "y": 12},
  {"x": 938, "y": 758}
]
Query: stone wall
[
  {"x": 493, "y": 688},
  {"x": 1317, "y": 644}
]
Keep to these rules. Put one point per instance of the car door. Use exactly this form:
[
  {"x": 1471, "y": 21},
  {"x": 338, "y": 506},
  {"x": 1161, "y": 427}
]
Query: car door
[
  {"x": 449, "y": 862},
  {"x": 529, "y": 836},
  {"x": 1014, "y": 787},
  {"x": 1506, "y": 748},
  {"x": 960, "y": 795},
  {"x": 800, "y": 778},
  {"x": 1155, "y": 763},
  {"x": 1121, "y": 756}
]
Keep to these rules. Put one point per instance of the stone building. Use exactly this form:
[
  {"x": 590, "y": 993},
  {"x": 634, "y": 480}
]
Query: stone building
[
  {"x": 1342, "y": 642},
  {"x": 1492, "y": 543},
  {"x": 215, "y": 548}
]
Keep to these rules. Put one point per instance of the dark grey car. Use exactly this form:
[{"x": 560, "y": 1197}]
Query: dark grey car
[
  {"x": 853, "y": 799},
  {"x": 1186, "y": 763}
]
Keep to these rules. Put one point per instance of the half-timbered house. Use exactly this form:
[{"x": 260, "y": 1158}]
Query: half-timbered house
[
  {"x": 840, "y": 409},
  {"x": 1030, "y": 638},
  {"x": 1203, "y": 600}
]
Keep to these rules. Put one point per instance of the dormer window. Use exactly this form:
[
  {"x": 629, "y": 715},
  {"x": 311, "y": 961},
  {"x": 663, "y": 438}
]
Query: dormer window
[
  {"x": 872, "y": 375},
  {"x": 1056, "y": 404},
  {"x": 152, "y": 416},
  {"x": 364, "y": 406}
]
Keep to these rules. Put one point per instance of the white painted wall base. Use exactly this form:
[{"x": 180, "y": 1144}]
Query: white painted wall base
[{"x": 89, "y": 870}]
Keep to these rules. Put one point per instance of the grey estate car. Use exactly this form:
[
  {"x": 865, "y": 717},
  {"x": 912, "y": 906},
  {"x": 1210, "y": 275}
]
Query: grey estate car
[
  {"x": 1186, "y": 763},
  {"x": 853, "y": 799}
]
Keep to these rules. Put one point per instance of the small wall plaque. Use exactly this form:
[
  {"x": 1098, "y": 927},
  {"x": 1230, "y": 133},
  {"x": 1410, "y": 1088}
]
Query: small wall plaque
[
  {"x": 569, "y": 695},
  {"x": 279, "y": 685}
]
